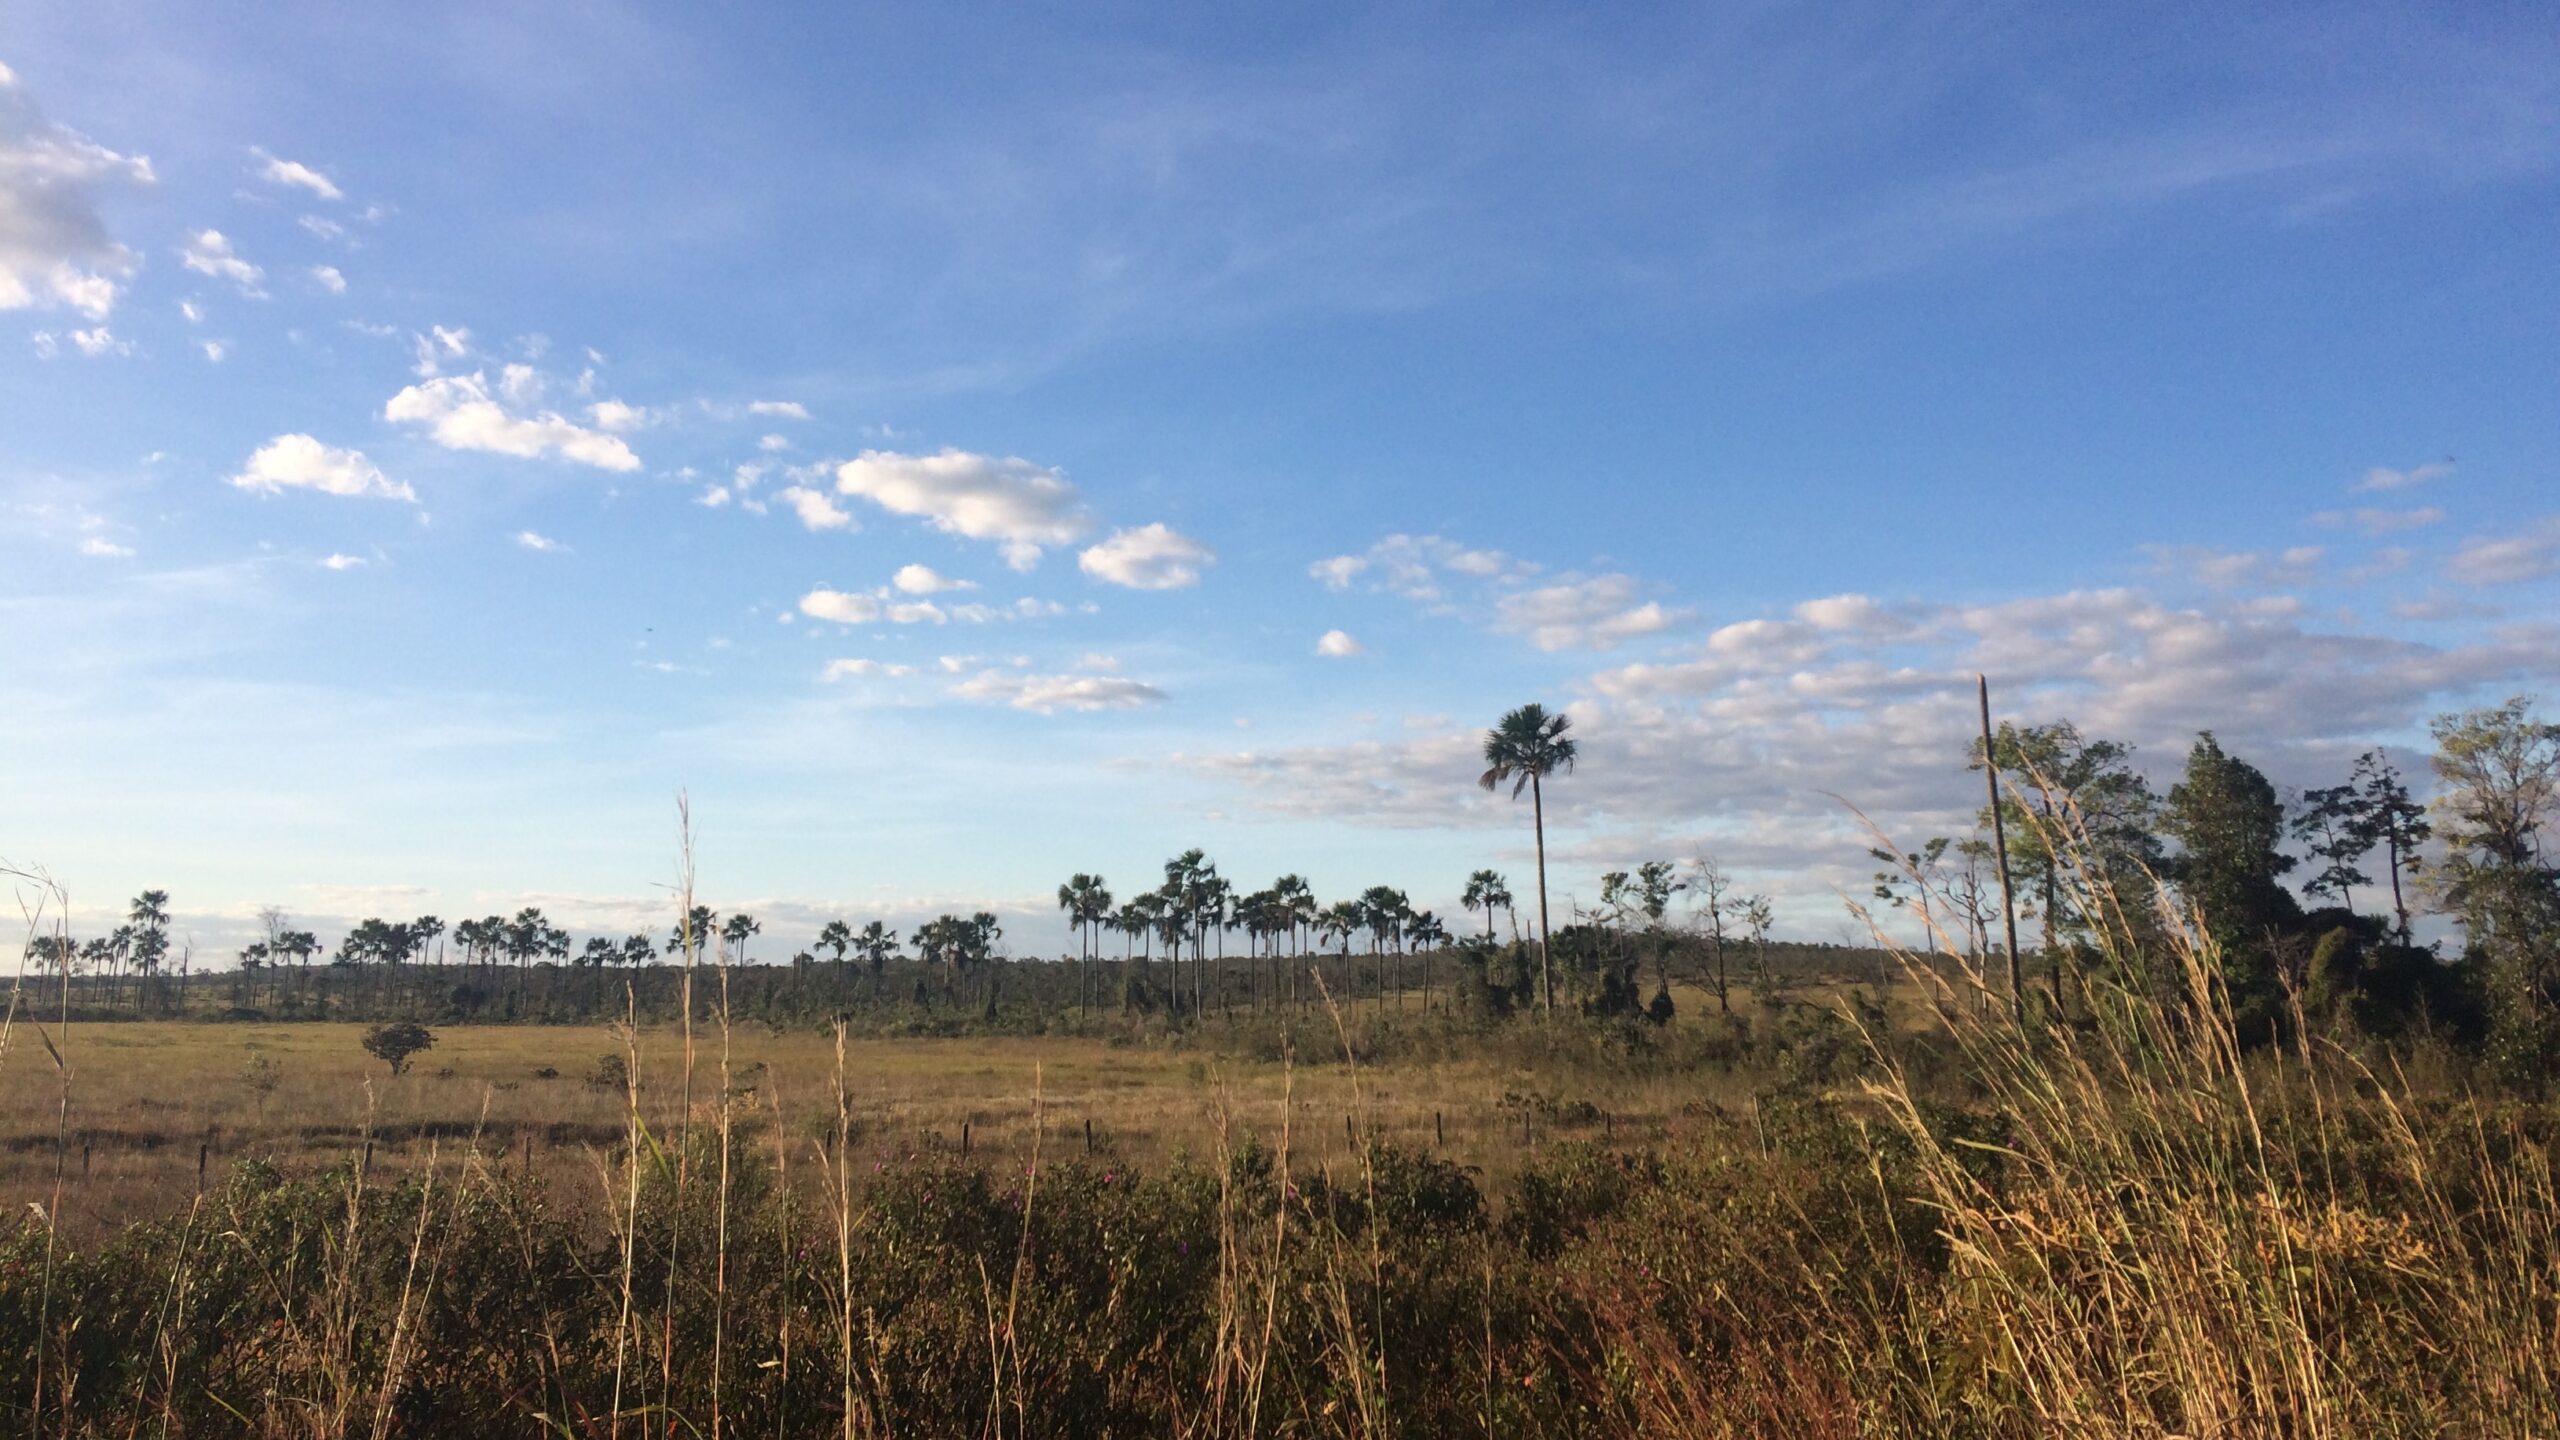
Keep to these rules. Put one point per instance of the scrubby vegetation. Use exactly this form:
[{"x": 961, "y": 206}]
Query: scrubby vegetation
[
  {"x": 2232, "y": 1167},
  {"x": 2133, "y": 1224}
]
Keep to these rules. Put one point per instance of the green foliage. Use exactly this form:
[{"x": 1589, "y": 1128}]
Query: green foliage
[{"x": 394, "y": 1043}]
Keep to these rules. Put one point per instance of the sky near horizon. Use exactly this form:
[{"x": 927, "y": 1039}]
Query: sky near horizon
[{"x": 957, "y": 446}]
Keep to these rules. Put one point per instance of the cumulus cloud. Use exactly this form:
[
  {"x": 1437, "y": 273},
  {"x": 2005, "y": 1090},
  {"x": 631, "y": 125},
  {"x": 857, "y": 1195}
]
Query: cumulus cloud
[
  {"x": 1021, "y": 506},
  {"x": 1048, "y": 694},
  {"x": 771, "y": 443},
  {"x": 2383, "y": 477},
  {"x": 816, "y": 508},
  {"x": 1152, "y": 557},
  {"x": 462, "y": 414},
  {"x": 787, "y": 409},
  {"x": 840, "y": 606},
  {"x": 295, "y": 174},
  {"x": 213, "y": 350},
  {"x": 2509, "y": 559},
  {"x": 1859, "y": 613},
  {"x": 1339, "y": 644},
  {"x": 616, "y": 416},
  {"x": 541, "y": 544},
  {"x": 342, "y": 562},
  {"x": 328, "y": 278},
  {"x": 924, "y": 580},
  {"x": 1594, "y": 614},
  {"x": 1736, "y": 744},
  {"x": 209, "y": 252},
  {"x": 299, "y": 462},
  {"x": 54, "y": 245},
  {"x": 102, "y": 548}
]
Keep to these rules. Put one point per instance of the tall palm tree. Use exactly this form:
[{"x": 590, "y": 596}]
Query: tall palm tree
[
  {"x": 739, "y": 929},
  {"x": 877, "y": 943},
  {"x": 1298, "y": 902},
  {"x": 838, "y": 937},
  {"x": 1486, "y": 890},
  {"x": 1525, "y": 748},
  {"x": 1087, "y": 904},
  {"x": 1427, "y": 933}
]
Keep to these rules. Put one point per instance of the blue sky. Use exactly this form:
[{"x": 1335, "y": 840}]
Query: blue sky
[{"x": 941, "y": 440}]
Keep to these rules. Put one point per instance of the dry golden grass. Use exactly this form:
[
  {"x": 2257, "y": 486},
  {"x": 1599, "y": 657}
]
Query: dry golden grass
[{"x": 147, "y": 1096}]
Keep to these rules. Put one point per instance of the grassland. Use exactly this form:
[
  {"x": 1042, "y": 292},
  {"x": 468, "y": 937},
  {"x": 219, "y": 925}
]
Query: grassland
[
  {"x": 150, "y": 1100},
  {"x": 1823, "y": 1218}
]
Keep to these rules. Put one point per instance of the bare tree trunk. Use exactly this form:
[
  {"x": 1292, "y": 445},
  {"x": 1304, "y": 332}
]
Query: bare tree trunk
[
  {"x": 1546, "y": 965},
  {"x": 2000, "y": 848}
]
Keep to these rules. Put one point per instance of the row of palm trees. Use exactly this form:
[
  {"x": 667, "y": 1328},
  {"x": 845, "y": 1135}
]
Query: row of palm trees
[
  {"x": 1190, "y": 914},
  {"x": 1196, "y": 907}
]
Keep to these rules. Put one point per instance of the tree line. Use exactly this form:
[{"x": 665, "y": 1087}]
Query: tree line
[{"x": 2075, "y": 832}]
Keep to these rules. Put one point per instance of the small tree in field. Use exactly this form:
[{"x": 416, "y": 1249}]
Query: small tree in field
[{"x": 394, "y": 1044}]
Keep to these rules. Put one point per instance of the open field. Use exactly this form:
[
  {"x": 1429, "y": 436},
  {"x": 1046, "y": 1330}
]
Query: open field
[{"x": 149, "y": 1100}]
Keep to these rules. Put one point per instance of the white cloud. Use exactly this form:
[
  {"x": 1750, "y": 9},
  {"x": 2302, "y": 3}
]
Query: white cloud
[
  {"x": 214, "y": 350},
  {"x": 98, "y": 341},
  {"x": 1021, "y": 506},
  {"x": 816, "y": 509},
  {"x": 1738, "y": 746},
  {"x": 193, "y": 312},
  {"x": 839, "y": 606},
  {"x": 294, "y": 173},
  {"x": 771, "y": 443},
  {"x": 54, "y": 245},
  {"x": 924, "y": 580},
  {"x": 323, "y": 227},
  {"x": 616, "y": 416},
  {"x": 2509, "y": 559},
  {"x": 543, "y": 544},
  {"x": 105, "y": 549},
  {"x": 298, "y": 462},
  {"x": 520, "y": 385},
  {"x": 2237, "y": 569},
  {"x": 1337, "y": 643},
  {"x": 1413, "y": 566},
  {"x": 208, "y": 252},
  {"x": 846, "y": 608},
  {"x": 1862, "y": 613},
  {"x": 788, "y": 409},
  {"x": 1025, "y": 608},
  {"x": 845, "y": 669},
  {"x": 342, "y": 562},
  {"x": 2383, "y": 477},
  {"x": 1047, "y": 694},
  {"x": 1152, "y": 557},
  {"x": 328, "y": 278},
  {"x": 713, "y": 498},
  {"x": 461, "y": 415},
  {"x": 2377, "y": 522},
  {"x": 1594, "y": 614}
]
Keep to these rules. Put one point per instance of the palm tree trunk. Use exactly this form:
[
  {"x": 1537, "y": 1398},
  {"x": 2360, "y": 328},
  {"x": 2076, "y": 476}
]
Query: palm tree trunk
[{"x": 1546, "y": 965}]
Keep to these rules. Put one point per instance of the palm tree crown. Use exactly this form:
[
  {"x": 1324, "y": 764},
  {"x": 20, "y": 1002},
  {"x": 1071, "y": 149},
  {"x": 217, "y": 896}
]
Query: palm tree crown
[{"x": 1526, "y": 747}]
